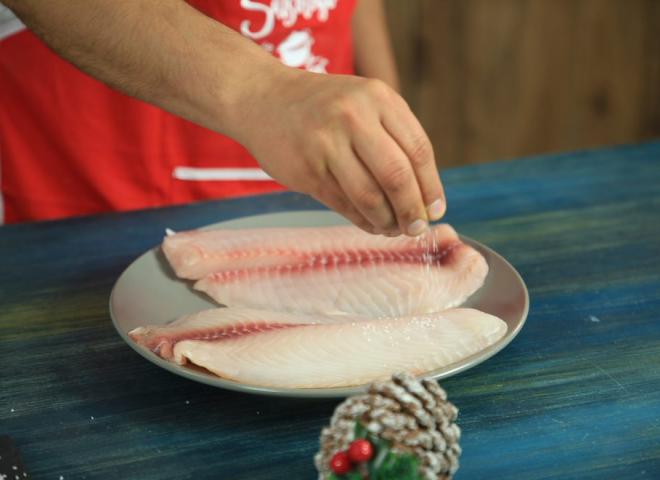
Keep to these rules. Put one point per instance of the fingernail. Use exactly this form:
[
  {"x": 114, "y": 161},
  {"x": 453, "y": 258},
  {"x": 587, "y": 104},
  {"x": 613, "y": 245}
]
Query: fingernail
[
  {"x": 436, "y": 210},
  {"x": 417, "y": 227}
]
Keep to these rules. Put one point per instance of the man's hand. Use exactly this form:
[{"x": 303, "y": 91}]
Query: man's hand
[{"x": 351, "y": 143}]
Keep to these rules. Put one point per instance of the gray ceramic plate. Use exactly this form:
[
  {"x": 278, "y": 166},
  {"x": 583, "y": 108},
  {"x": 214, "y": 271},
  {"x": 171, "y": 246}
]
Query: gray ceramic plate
[{"x": 147, "y": 293}]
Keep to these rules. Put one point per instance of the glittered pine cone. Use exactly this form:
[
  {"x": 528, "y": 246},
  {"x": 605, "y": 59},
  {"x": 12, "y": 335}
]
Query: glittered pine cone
[{"x": 412, "y": 416}]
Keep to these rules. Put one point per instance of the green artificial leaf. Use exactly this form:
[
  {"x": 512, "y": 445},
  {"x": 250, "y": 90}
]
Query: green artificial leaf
[
  {"x": 360, "y": 431},
  {"x": 389, "y": 465},
  {"x": 381, "y": 450},
  {"x": 399, "y": 467},
  {"x": 353, "y": 476},
  {"x": 385, "y": 464}
]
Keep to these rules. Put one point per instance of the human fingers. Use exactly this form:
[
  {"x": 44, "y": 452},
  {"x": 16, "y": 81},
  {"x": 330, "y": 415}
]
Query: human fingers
[
  {"x": 362, "y": 189},
  {"x": 332, "y": 196},
  {"x": 392, "y": 170},
  {"x": 405, "y": 129}
]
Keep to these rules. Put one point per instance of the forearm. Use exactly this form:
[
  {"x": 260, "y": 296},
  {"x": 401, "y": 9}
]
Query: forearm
[
  {"x": 160, "y": 51},
  {"x": 351, "y": 143},
  {"x": 373, "y": 50}
]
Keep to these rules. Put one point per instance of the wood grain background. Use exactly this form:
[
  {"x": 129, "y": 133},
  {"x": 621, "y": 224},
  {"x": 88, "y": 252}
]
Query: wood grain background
[{"x": 493, "y": 79}]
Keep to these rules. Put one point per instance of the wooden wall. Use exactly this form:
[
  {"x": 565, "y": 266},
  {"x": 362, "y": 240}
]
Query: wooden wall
[{"x": 493, "y": 79}]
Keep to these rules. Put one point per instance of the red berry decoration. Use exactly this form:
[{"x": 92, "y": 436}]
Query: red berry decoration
[
  {"x": 340, "y": 464},
  {"x": 360, "y": 450}
]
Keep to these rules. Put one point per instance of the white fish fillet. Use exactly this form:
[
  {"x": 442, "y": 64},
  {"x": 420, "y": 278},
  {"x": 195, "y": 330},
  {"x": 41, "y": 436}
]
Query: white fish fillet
[
  {"x": 329, "y": 270},
  {"x": 196, "y": 253},
  {"x": 282, "y": 350}
]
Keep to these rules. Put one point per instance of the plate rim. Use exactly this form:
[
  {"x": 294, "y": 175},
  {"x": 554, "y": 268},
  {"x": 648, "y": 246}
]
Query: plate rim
[{"x": 332, "y": 392}]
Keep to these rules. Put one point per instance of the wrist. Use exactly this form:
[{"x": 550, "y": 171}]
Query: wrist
[
  {"x": 217, "y": 78},
  {"x": 245, "y": 90}
]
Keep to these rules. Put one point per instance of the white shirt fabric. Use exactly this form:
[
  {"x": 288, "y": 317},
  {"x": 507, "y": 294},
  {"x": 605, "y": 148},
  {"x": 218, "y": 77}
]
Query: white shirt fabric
[{"x": 9, "y": 24}]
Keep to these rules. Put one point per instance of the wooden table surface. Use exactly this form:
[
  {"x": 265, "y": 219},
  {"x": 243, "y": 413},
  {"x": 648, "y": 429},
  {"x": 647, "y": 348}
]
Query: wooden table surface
[{"x": 576, "y": 395}]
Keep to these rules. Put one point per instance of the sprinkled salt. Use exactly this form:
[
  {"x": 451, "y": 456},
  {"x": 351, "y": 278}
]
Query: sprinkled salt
[
  {"x": 91, "y": 418},
  {"x": 12, "y": 410},
  {"x": 187, "y": 402},
  {"x": 61, "y": 477},
  {"x": 14, "y": 467}
]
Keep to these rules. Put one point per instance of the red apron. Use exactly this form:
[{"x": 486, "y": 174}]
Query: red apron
[{"x": 69, "y": 145}]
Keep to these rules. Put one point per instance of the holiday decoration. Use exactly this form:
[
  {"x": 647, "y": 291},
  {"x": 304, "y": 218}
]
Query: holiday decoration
[{"x": 401, "y": 429}]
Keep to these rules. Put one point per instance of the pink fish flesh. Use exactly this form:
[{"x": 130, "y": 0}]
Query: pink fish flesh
[
  {"x": 329, "y": 270},
  {"x": 284, "y": 350},
  {"x": 196, "y": 253}
]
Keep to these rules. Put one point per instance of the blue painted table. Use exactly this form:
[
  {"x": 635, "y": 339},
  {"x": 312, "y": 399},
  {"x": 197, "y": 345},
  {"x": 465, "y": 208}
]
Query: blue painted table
[{"x": 576, "y": 395}]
